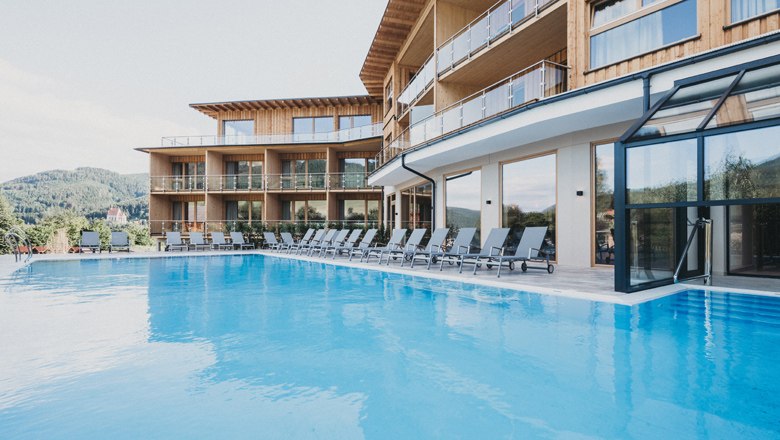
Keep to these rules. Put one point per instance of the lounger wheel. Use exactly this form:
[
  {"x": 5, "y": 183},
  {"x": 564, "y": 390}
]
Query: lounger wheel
[
  {"x": 434, "y": 260},
  {"x": 479, "y": 264},
  {"x": 524, "y": 267},
  {"x": 550, "y": 268},
  {"x": 489, "y": 266},
  {"x": 511, "y": 265}
]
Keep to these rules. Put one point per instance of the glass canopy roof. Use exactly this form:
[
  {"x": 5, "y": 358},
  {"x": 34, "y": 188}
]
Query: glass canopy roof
[{"x": 737, "y": 98}]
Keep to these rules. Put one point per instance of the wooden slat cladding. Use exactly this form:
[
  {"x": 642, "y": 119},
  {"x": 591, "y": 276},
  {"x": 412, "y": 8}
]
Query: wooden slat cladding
[
  {"x": 239, "y": 157},
  {"x": 713, "y": 31},
  {"x": 190, "y": 159},
  {"x": 254, "y": 197},
  {"x": 303, "y": 156},
  {"x": 303, "y": 196},
  {"x": 358, "y": 196},
  {"x": 356, "y": 154},
  {"x": 280, "y": 121}
]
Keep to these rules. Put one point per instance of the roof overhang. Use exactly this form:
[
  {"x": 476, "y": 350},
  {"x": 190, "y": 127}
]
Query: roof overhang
[
  {"x": 397, "y": 22},
  {"x": 211, "y": 109}
]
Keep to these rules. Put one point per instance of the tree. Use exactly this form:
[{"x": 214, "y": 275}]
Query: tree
[{"x": 7, "y": 221}]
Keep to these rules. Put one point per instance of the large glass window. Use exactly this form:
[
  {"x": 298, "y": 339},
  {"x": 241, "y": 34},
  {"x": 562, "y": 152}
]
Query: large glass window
[
  {"x": 416, "y": 204},
  {"x": 244, "y": 210},
  {"x": 303, "y": 173},
  {"x": 347, "y": 122},
  {"x": 464, "y": 202},
  {"x": 604, "y": 194},
  {"x": 651, "y": 247},
  {"x": 354, "y": 172},
  {"x": 307, "y": 129},
  {"x": 529, "y": 198},
  {"x": 645, "y": 34},
  {"x": 232, "y": 129},
  {"x": 304, "y": 210},
  {"x": 359, "y": 211},
  {"x": 742, "y": 165},
  {"x": 661, "y": 173},
  {"x": 756, "y": 97},
  {"x": 243, "y": 174},
  {"x": 189, "y": 176},
  {"x": 754, "y": 240},
  {"x": 745, "y": 9}
]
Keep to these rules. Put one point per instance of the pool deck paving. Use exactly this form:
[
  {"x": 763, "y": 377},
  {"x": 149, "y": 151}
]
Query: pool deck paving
[{"x": 594, "y": 284}]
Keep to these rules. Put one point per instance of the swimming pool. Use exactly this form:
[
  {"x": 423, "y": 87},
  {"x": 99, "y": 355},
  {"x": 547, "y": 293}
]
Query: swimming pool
[{"x": 264, "y": 347}]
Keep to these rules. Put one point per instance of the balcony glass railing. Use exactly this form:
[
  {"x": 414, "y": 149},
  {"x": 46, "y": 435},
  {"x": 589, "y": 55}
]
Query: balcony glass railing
[
  {"x": 236, "y": 182},
  {"x": 349, "y": 181},
  {"x": 261, "y": 182},
  {"x": 539, "y": 81},
  {"x": 349, "y": 134},
  {"x": 418, "y": 85},
  {"x": 500, "y": 19},
  {"x": 297, "y": 227},
  {"x": 177, "y": 183}
]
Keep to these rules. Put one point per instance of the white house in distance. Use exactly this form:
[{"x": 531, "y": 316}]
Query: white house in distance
[{"x": 117, "y": 216}]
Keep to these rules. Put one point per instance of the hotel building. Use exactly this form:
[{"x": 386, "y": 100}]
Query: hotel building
[{"x": 617, "y": 124}]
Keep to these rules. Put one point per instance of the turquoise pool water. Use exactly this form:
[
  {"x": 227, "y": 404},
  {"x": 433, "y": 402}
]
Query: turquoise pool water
[{"x": 259, "y": 347}]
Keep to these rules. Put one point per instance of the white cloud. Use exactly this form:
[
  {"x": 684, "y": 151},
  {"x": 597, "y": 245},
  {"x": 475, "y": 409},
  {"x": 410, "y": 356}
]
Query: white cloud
[{"x": 41, "y": 128}]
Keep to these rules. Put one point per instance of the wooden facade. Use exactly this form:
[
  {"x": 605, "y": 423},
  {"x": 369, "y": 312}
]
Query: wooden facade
[{"x": 560, "y": 32}]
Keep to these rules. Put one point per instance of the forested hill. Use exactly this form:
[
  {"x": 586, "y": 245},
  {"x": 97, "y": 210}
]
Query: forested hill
[{"x": 87, "y": 191}]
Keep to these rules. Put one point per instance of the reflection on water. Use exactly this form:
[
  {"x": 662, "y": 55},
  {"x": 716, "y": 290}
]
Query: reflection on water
[{"x": 246, "y": 346}]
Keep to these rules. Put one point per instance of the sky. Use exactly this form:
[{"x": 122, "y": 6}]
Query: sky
[{"x": 83, "y": 83}]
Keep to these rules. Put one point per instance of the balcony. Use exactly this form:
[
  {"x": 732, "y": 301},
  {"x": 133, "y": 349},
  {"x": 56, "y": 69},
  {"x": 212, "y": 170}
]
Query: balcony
[
  {"x": 542, "y": 80},
  {"x": 339, "y": 136},
  {"x": 236, "y": 182},
  {"x": 419, "y": 84},
  {"x": 543, "y": 34},
  {"x": 160, "y": 227},
  {"x": 177, "y": 184},
  {"x": 261, "y": 183}
]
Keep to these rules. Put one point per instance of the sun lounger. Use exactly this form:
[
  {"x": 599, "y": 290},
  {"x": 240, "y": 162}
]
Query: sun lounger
[
  {"x": 415, "y": 238},
  {"x": 528, "y": 250},
  {"x": 326, "y": 239},
  {"x": 395, "y": 243},
  {"x": 120, "y": 241},
  {"x": 364, "y": 244},
  {"x": 90, "y": 240},
  {"x": 349, "y": 243},
  {"x": 494, "y": 246},
  {"x": 317, "y": 239},
  {"x": 270, "y": 241},
  {"x": 289, "y": 243},
  {"x": 435, "y": 245},
  {"x": 197, "y": 242},
  {"x": 461, "y": 245},
  {"x": 337, "y": 239},
  {"x": 218, "y": 241},
  {"x": 174, "y": 242},
  {"x": 237, "y": 239}
]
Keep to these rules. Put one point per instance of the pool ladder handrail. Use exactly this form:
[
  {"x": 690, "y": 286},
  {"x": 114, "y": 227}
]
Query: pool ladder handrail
[
  {"x": 16, "y": 238},
  {"x": 706, "y": 225}
]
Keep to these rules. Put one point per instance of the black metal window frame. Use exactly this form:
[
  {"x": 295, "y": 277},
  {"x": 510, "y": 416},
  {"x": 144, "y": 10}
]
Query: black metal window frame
[{"x": 622, "y": 208}]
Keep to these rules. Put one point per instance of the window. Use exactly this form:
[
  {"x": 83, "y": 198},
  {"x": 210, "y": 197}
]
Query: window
[
  {"x": 304, "y": 210},
  {"x": 604, "y": 195},
  {"x": 754, "y": 240},
  {"x": 756, "y": 97},
  {"x": 232, "y": 129},
  {"x": 742, "y": 165},
  {"x": 644, "y": 34},
  {"x": 416, "y": 207},
  {"x": 244, "y": 210},
  {"x": 661, "y": 173},
  {"x": 389, "y": 96},
  {"x": 243, "y": 174},
  {"x": 651, "y": 238},
  {"x": 359, "y": 211},
  {"x": 312, "y": 129},
  {"x": 188, "y": 176},
  {"x": 303, "y": 173},
  {"x": 463, "y": 201},
  {"x": 744, "y": 9},
  {"x": 188, "y": 216},
  {"x": 347, "y": 122},
  {"x": 529, "y": 199}
]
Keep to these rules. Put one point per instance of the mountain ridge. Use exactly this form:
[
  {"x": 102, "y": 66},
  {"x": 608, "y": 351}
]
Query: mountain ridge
[{"x": 86, "y": 191}]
